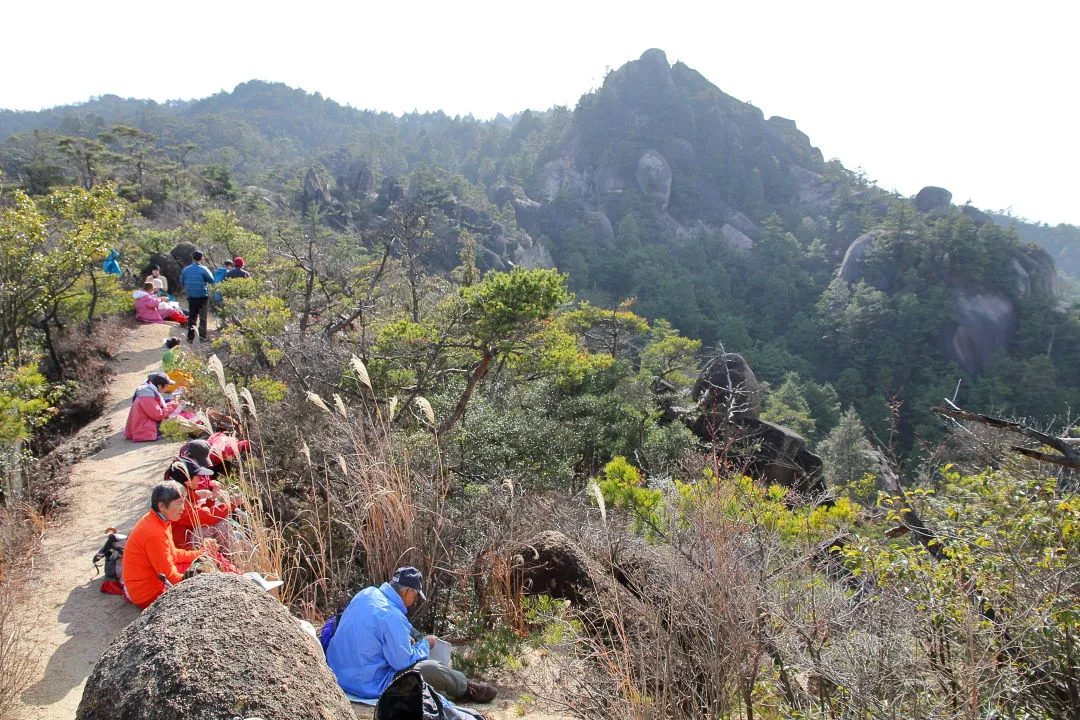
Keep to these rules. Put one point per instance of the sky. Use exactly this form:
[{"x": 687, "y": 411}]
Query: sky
[{"x": 977, "y": 97}]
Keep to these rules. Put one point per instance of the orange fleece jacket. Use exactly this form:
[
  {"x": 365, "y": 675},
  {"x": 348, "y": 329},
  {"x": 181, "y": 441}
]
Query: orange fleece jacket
[{"x": 150, "y": 550}]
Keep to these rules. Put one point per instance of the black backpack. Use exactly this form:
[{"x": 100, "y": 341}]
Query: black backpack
[
  {"x": 410, "y": 698},
  {"x": 112, "y": 552}
]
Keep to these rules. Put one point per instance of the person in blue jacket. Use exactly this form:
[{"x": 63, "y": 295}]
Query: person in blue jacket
[
  {"x": 219, "y": 276},
  {"x": 374, "y": 641},
  {"x": 197, "y": 280}
]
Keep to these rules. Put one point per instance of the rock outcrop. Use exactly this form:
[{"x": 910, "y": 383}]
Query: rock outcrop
[
  {"x": 984, "y": 319},
  {"x": 727, "y": 389},
  {"x": 728, "y": 408},
  {"x": 933, "y": 199},
  {"x": 215, "y": 646},
  {"x": 654, "y": 178}
]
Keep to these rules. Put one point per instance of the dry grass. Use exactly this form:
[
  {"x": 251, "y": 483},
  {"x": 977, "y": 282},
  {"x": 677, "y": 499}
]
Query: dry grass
[{"x": 20, "y": 530}]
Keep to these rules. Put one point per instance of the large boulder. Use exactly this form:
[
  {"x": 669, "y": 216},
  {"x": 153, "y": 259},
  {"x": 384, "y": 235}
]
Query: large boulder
[
  {"x": 601, "y": 227},
  {"x": 315, "y": 192},
  {"x": 215, "y": 646},
  {"x": 984, "y": 325},
  {"x": 933, "y": 199},
  {"x": 182, "y": 254},
  {"x": 727, "y": 387},
  {"x": 654, "y": 178},
  {"x": 781, "y": 456},
  {"x": 851, "y": 268}
]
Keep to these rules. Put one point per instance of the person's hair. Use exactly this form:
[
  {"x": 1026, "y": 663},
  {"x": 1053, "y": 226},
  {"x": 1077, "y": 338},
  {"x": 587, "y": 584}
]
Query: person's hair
[
  {"x": 165, "y": 492},
  {"x": 196, "y": 255},
  {"x": 148, "y": 285},
  {"x": 155, "y": 267},
  {"x": 228, "y": 263},
  {"x": 400, "y": 588},
  {"x": 159, "y": 379},
  {"x": 172, "y": 342}
]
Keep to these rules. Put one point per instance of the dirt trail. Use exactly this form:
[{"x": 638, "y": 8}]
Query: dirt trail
[{"x": 76, "y": 621}]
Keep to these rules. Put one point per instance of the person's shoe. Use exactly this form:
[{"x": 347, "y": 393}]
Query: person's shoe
[{"x": 480, "y": 692}]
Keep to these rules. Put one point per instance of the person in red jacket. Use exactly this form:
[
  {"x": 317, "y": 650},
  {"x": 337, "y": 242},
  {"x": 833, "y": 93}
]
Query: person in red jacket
[
  {"x": 150, "y": 551},
  {"x": 203, "y": 513},
  {"x": 148, "y": 409}
]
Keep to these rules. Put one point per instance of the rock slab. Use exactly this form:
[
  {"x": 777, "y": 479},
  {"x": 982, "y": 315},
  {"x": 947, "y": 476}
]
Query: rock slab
[{"x": 213, "y": 647}]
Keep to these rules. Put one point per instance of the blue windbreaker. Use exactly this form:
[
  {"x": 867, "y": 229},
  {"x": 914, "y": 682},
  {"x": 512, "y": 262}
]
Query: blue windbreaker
[
  {"x": 373, "y": 642},
  {"x": 196, "y": 280}
]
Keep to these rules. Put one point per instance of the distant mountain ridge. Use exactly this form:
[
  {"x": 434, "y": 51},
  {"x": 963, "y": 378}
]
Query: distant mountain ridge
[{"x": 657, "y": 186}]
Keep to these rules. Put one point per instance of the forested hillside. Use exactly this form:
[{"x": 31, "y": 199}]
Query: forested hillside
[
  {"x": 657, "y": 187},
  {"x": 647, "y": 383}
]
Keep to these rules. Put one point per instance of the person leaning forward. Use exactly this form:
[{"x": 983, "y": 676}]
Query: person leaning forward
[
  {"x": 373, "y": 643},
  {"x": 197, "y": 280}
]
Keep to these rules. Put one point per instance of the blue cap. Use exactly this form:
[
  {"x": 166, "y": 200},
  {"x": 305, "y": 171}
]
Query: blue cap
[{"x": 409, "y": 577}]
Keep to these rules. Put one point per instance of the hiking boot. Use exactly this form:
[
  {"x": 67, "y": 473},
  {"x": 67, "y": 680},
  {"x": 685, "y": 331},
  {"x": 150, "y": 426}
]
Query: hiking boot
[{"x": 480, "y": 692}]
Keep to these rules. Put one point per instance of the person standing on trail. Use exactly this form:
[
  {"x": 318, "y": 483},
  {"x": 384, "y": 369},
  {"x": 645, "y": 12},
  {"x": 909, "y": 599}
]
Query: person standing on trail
[
  {"x": 373, "y": 642},
  {"x": 197, "y": 280},
  {"x": 150, "y": 551}
]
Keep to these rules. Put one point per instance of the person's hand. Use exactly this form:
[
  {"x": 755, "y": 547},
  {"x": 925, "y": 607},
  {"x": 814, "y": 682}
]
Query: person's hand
[
  {"x": 432, "y": 641},
  {"x": 236, "y": 500},
  {"x": 210, "y": 546},
  {"x": 203, "y": 494}
]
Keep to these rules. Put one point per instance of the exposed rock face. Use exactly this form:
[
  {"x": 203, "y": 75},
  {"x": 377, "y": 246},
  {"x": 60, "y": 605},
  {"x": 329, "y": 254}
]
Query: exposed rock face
[
  {"x": 562, "y": 178},
  {"x": 784, "y": 458},
  {"x": 985, "y": 319},
  {"x": 771, "y": 451},
  {"x": 728, "y": 385},
  {"x": 315, "y": 190},
  {"x": 932, "y": 199},
  {"x": 736, "y": 239},
  {"x": 182, "y": 254},
  {"x": 985, "y": 324},
  {"x": 601, "y": 227},
  {"x": 851, "y": 269},
  {"x": 357, "y": 179},
  {"x": 213, "y": 647},
  {"x": 534, "y": 256},
  {"x": 654, "y": 178},
  {"x": 1040, "y": 270}
]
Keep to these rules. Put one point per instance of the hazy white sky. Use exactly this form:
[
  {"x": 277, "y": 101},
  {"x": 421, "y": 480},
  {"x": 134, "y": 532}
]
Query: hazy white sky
[{"x": 978, "y": 97}]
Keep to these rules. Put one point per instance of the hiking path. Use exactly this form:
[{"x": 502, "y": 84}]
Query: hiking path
[
  {"x": 110, "y": 487},
  {"x": 74, "y": 620}
]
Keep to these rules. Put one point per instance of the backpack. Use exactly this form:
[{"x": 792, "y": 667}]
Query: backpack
[
  {"x": 410, "y": 698},
  {"x": 112, "y": 553},
  {"x": 328, "y": 629}
]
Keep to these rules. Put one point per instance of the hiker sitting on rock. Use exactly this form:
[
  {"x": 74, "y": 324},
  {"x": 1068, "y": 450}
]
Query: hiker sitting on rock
[
  {"x": 148, "y": 409},
  {"x": 373, "y": 642},
  {"x": 150, "y": 550},
  {"x": 207, "y": 508}
]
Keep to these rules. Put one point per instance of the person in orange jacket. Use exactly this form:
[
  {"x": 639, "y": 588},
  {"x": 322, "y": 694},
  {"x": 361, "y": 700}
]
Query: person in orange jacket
[
  {"x": 203, "y": 510},
  {"x": 150, "y": 550},
  {"x": 148, "y": 409}
]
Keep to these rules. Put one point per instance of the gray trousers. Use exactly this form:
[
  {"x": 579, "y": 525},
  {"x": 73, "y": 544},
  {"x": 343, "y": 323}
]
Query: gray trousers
[{"x": 446, "y": 681}]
